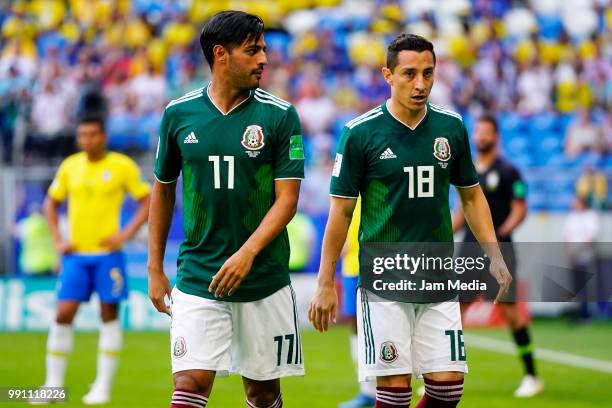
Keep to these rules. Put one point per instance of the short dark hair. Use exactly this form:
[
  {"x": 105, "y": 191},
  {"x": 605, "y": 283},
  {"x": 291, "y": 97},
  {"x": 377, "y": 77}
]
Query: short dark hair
[
  {"x": 489, "y": 118},
  {"x": 408, "y": 42},
  {"x": 92, "y": 119},
  {"x": 229, "y": 29}
]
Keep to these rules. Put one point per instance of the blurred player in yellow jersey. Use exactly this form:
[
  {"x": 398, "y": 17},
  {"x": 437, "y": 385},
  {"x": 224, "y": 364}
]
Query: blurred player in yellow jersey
[
  {"x": 93, "y": 182},
  {"x": 350, "y": 278}
]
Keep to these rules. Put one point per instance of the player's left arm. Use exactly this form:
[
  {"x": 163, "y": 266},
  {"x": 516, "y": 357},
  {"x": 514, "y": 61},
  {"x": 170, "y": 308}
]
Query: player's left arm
[
  {"x": 518, "y": 207},
  {"x": 458, "y": 219},
  {"x": 233, "y": 271},
  {"x": 288, "y": 156},
  {"x": 140, "y": 191}
]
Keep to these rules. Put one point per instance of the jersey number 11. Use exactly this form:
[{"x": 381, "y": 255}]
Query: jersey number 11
[{"x": 217, "y": 171}]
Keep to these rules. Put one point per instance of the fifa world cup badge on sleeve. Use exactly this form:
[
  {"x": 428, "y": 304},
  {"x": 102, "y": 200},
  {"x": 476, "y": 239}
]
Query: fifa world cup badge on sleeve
[{"x": 296, "y": 148}]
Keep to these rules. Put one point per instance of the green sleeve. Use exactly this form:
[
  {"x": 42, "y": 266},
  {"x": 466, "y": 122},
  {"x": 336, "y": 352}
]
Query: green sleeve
[
  {"x": 348, "y": 168},
  {"x": 463, "y": 173},
  {"x": 289, "y": 147},
  {"x": 168, "y": 157}
]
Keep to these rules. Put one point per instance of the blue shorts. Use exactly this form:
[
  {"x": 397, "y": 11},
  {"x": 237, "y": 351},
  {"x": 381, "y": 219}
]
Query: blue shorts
[
  {"x": 349, "y": 295},
  {"x": 83, "y": 274}
]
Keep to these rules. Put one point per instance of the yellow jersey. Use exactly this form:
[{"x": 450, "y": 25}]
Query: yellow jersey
[
  {"x": 95, "y": 192},
  {"x": 350, "y": 258}
]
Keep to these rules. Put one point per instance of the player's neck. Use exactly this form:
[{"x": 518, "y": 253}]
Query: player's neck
[
  {"x": 486, "y": 160},
  {"x": 225, "y": 95},
  {"x": 95, "y": 157},
  {"x": 409, "y": 117}
]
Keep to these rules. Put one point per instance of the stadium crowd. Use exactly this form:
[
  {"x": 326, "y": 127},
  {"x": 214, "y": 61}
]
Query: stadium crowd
[{"x": 543, "y": 66}]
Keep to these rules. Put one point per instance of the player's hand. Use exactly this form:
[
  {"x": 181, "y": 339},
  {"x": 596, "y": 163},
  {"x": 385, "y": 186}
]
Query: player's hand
[
  {"x": 323, "y": 307},
  {"x": 114, "y": 242},
  {"x": 64, "y": 247},
  {"x": 159, "y": 288},
  {"x": 231, "y": 274},
  {"x": 499, "y": 271}
]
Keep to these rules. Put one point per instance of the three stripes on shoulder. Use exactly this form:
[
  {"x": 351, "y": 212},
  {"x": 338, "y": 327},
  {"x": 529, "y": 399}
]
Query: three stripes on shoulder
[
  {"x": 187, "y": 97},
  {"x": 371, "y": 114},
  {"x": 266, "y": 97},
  {"x": 445, "y": 111}
]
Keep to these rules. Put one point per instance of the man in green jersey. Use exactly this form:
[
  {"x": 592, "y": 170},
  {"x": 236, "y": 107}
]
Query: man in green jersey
[
  {"x": 241, "y": 155},
  {"x": 401, "y": 157}
]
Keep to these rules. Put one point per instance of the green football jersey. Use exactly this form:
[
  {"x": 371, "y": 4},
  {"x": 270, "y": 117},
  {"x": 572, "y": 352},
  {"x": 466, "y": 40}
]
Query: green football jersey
[
  {"x": 229, "y": 163},
  {"x": 403, "y": 175}
]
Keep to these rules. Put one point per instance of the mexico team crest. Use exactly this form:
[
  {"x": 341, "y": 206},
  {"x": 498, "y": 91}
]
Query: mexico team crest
[
  {"x": 442, "y": 149},
  {"x": 180, "y": 348},
  {"x": 253, "y": 138},
  {"x": 388, "y": 352}
]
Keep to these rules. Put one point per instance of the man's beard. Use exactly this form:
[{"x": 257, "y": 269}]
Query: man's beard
[
  {"x": 485, "y": 148},
  {"x": 245, "y": 82}
]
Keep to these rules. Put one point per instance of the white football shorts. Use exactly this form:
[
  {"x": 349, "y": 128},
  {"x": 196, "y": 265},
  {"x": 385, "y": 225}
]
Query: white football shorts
[
  {"x": 259, "y": 340},
  {"x": 397, "y": 338}
]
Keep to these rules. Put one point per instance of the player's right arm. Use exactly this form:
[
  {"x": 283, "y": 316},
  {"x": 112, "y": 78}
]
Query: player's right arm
[
  {"x": 324, "y": 303},
  {"x": 56, "y": 195},
  {"x": 344, "y": 189},
  {"x": 167, "y": 169},
  {"x": 161, "y": 209}
]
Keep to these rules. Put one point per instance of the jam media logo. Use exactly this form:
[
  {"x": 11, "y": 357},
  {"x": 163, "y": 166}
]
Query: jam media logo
[
  {"x": 253, "y": 138},
  {"x": 388, "y": 352},
  {"x": 180, "y": 347},
  {"x": 442, "y": 149}
]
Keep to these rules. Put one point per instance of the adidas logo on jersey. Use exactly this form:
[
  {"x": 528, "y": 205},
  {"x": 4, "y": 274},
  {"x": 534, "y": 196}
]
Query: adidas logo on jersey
[
  {"x": 388, "y": 154},
  {"x": 191, "y": 138}
]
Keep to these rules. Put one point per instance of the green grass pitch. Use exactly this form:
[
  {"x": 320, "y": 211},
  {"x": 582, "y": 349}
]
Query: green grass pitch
[{"x": 144, "y": 379}]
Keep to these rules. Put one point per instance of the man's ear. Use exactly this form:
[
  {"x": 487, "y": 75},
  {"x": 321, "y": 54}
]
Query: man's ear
[
  {"x": 220, "y": 54},
  {"x": 388, "y": 75}
]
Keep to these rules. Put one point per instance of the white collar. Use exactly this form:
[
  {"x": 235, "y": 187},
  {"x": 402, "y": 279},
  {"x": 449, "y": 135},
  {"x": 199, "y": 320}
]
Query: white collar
[
  {"x": 215, "y": 105},
  {"x": 396, "y": 118}
]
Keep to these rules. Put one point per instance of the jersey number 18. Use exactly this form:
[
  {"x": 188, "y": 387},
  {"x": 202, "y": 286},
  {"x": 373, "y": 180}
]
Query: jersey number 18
[{"x": 424, "y": 181}]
